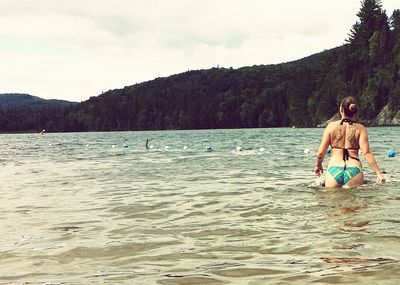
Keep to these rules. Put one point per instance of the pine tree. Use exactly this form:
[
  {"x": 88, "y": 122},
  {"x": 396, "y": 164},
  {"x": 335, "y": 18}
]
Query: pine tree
[{"x": 369, "y": 15}]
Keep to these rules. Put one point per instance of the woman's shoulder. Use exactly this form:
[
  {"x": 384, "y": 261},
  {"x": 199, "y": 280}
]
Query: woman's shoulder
[
  {"x": 333, "y": 124},
  {"x": 359, "y": 126}
]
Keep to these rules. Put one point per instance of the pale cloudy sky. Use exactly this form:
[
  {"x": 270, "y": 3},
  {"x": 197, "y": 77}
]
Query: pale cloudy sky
[{"x": 74, "y": 49}]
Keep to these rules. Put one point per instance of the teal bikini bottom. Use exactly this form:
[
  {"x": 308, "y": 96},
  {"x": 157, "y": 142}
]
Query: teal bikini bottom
[{"x": 343, "y": 174}]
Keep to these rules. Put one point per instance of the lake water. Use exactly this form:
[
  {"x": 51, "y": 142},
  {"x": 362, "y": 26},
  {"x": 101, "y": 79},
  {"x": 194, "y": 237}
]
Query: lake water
[{"x": 77, "y": 210}]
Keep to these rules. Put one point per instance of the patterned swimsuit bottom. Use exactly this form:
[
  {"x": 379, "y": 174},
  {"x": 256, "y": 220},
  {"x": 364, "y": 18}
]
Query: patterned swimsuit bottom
[{"x": 343, "y": 174}]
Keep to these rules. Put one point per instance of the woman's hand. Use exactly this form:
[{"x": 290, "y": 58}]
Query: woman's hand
[
  {"x": 319, "y": 170},
  {"x": 381, "y": 178}
]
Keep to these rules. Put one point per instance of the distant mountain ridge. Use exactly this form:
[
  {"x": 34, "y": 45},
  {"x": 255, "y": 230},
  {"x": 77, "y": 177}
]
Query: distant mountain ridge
[{"x": 18, "y": 101}]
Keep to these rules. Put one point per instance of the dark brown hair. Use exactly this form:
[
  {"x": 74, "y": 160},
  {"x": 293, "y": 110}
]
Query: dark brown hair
[{"x": 349, "y": 105}]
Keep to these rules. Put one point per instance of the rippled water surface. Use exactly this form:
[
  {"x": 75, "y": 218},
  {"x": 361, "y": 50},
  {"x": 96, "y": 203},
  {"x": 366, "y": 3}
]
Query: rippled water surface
[{"x": 98, "y": 208}]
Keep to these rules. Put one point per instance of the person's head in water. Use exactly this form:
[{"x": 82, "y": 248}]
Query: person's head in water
[{"x": 348, "y": 107}]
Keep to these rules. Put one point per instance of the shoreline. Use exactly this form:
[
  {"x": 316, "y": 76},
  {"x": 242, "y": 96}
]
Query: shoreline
[{"x": 321, "y": 126}]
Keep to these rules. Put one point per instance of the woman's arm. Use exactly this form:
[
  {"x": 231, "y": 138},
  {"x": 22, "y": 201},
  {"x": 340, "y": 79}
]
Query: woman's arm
[
  {"x": 368, "y": 155},
  {"x": 326, "y": 139}
]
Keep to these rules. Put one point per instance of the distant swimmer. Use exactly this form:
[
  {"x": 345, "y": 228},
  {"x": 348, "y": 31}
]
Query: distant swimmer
[
  {"x": 42, "y": 132},
  {"x": 147, "y": 144},
  {"x": 346, "y": 138}
]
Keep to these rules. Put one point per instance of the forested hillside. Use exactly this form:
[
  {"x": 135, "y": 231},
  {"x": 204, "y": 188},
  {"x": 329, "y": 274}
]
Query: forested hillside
[
  {"x": 303, "y": 93},
  {"x": 23, "y": 101}
]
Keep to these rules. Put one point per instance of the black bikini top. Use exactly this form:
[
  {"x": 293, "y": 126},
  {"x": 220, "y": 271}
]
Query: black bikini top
[
  {"x": 346, "y": 120},
  {"x": 346, "y": 154}
]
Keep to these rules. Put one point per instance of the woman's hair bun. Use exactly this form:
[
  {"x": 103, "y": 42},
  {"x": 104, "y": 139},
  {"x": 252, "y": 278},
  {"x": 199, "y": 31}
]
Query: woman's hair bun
[{"x": 349, "y": 105}]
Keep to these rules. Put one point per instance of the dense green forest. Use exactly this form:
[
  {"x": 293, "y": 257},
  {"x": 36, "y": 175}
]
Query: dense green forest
[{"x": 303, "y": 93}]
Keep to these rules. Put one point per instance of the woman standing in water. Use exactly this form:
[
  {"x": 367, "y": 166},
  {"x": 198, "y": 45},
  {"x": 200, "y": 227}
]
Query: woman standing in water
[{"x": 346, "y": 138}]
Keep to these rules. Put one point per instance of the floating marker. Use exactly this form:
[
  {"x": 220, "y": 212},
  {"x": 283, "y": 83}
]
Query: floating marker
[
  {"x": 209, "y": 148},
  {"x": 125, "y": 146},
  {"x": 307, "y": 150},
  {"x": 391, "y": 153},
  {"x": 238, "y": 148}
]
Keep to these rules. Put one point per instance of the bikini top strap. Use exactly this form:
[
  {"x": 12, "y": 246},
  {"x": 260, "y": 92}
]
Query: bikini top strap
[
  {"x": 346, "y": 154},
  {"x": 349, "y": 148},
  {"x": 346, "y": 120}
]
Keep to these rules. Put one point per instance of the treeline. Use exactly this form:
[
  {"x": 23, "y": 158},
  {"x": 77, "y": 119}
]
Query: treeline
[{"x": 301, "y": 93}]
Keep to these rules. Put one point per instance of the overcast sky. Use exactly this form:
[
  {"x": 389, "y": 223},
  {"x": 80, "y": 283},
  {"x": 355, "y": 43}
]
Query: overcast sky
[{"x": 74, "y": 49}]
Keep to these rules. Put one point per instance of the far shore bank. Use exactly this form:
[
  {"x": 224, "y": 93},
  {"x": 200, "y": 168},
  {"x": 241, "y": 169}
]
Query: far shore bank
[{"x": 181, "y": 130}]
